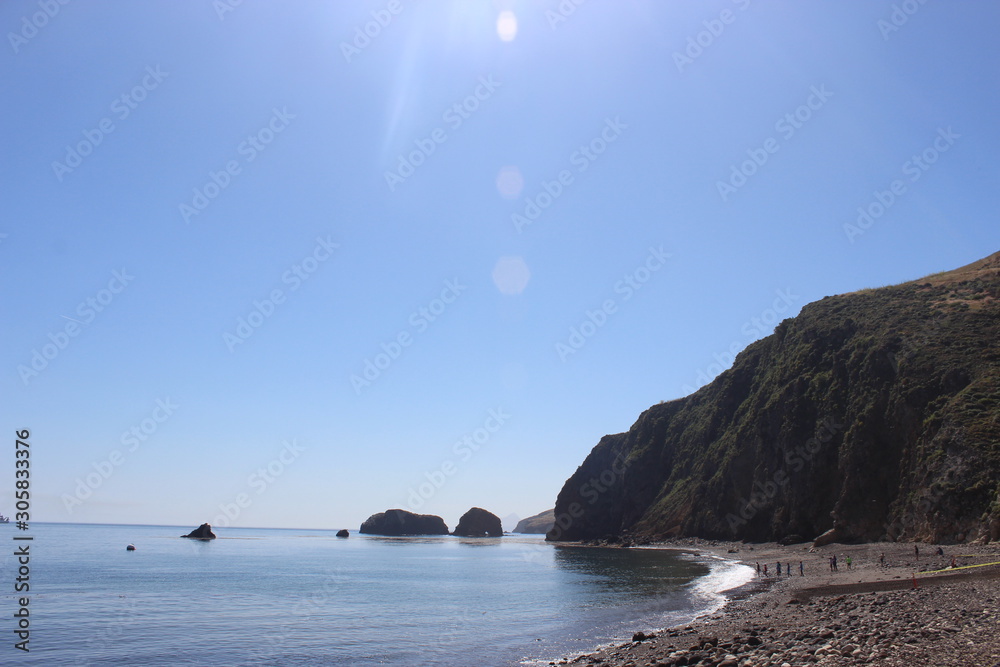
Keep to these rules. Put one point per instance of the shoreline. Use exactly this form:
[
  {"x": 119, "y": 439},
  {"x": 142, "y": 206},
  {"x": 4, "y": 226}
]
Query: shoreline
[{"x": 870, "y": 614}]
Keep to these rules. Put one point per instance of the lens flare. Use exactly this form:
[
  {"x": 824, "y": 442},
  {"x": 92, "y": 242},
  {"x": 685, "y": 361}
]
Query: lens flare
[
  {"x": 507, "y": 26},
  {"x": 510, "y": 182},
  {"x": 511, "y": 275}
]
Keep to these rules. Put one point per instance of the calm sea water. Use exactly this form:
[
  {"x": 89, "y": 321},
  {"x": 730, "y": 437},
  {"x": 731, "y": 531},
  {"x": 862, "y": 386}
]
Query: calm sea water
[{"x": 306, "y": 597}]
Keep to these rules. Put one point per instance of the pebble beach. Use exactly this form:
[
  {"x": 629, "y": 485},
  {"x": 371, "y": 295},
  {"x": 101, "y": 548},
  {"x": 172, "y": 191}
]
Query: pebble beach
[{"x": 910, "y": 608}]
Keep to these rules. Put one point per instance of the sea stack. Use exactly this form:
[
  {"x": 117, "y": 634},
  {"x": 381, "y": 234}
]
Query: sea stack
[
  {"x": 400, "y": 522},
  {"x": 343, "y": 533},
  {"x": 477, "y": 522},
  {"x": 202, "y": 532}
]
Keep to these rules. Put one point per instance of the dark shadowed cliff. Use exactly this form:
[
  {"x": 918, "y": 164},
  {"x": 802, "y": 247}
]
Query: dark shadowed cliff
[{"x": 876, "y": 413}]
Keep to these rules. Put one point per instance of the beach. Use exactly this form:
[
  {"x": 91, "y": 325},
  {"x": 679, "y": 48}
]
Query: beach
[{"x": 913, "y": 609}]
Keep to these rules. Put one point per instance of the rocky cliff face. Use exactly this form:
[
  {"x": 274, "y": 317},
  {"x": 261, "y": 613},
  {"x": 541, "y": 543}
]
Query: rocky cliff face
[{"x": 876, "y": 413}]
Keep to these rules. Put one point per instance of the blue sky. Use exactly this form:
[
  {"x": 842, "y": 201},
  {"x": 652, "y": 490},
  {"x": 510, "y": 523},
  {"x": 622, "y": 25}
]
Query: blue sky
[{"x": 526, "y": 221}]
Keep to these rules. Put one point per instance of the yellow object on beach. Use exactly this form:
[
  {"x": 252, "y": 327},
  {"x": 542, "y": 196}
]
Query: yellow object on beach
[{"x": 964, "y": 567}]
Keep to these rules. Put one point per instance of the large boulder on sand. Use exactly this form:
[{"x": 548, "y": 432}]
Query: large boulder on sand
[
  {"x": 829, "y": 537},
  {"x": 401, "y": 522},
  {"x": 477, "y": 522},
  {"x": 202, "y": 532}
]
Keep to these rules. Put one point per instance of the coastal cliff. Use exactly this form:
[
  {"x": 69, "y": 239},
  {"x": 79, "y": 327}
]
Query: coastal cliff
[
  {"x": 539, "y": 523},
  {"x": 875, "y": 414}
]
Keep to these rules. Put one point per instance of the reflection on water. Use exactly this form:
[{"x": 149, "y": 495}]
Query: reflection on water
[{"x": 646, "y": 575}]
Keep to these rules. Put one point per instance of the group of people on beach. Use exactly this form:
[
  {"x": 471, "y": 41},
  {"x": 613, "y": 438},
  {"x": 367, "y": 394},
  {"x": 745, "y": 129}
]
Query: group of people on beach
[
  {"x": 834, "y": 563},
  {"x": 788, "y": 569}
]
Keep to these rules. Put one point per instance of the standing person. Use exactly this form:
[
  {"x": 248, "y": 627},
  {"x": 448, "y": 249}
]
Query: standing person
[
  {"x": 916, "y": 551},
  {"x": 788, "y": 569},
  {"x": 758, "y": 568},
  {"x": 835, "y": 562},
  {"x": 802, "y": 570},
  {"x": 779, "y": 568},
  {"x": 765, "y": 569},
  {"x": 848, "y": 559},
  {"x": 831, "y": 563},
  {"x": 881, "y": 559}
]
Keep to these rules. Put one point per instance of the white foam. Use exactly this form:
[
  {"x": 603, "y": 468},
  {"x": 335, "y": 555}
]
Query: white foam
[{"x": 724, "y": 575}]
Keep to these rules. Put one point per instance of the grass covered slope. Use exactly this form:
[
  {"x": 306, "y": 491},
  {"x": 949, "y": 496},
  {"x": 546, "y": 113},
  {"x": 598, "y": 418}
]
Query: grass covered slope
[{"x": 876, "y": 413}]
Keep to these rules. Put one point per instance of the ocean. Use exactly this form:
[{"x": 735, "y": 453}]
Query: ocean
[{"x": 306, "y": 597}]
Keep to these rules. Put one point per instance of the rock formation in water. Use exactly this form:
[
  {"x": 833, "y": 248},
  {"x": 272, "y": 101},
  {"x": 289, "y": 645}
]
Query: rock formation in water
[
  {"x": 400, "y": 522},
  {"x": 343, "y": 533},
  {"x": 874, "y": 414},
  {"x": 540, "y": 523},
  {"x": 202, "y": 532},
  {"x": 477, "y": 522}
]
